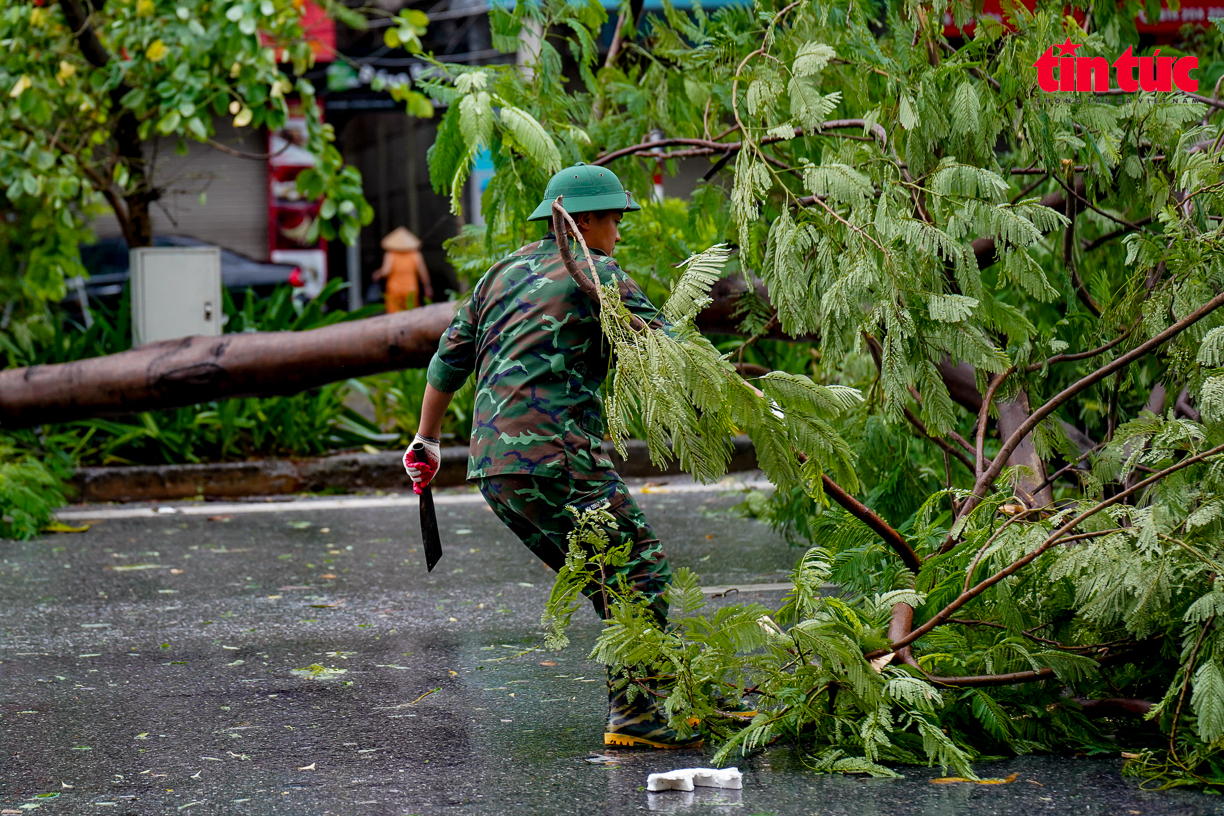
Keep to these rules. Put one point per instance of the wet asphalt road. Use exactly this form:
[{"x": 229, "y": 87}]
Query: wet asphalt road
[{"x": 163, "y": 665}]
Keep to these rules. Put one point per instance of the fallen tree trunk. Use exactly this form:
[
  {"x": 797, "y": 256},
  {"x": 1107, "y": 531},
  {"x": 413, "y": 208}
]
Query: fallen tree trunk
[{"x": 190, "y": 370}]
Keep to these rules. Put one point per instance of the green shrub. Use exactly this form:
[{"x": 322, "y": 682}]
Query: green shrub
[{"x": 30, "y": 491}]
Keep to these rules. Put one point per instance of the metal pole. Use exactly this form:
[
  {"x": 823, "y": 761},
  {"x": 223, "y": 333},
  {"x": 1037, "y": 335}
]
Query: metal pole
[
  {"x": 352, "y": 256},
  {"x": 657, "y": 136},
  {"x": 82, "y": 298}
]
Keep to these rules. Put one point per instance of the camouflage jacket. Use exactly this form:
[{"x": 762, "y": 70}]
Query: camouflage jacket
[{"x": 534, "y": 341}]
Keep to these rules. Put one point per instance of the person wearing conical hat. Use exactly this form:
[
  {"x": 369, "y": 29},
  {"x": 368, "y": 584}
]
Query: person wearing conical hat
[
  {"x": 534, "y": 342},
  {"x": 404, "y": 268}
]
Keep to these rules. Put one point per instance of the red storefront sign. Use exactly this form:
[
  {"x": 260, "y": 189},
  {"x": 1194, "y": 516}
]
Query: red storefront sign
[
  {"x": 1192, "y": 12},
  {"x": 318, "y": 29},
  {"x": 320, "y": 32}
]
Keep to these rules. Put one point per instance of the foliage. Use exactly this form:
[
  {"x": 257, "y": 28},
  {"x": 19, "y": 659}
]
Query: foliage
[
  {"x": 81, "y": 96},
  {"x": 30, "y": 492},
  {"x": 396, "y": 397},
  {"x": 887, "y": 185}
]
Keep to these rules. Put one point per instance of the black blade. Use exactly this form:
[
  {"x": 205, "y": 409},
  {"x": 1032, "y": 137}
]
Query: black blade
[{"x": 429, "y": 530}]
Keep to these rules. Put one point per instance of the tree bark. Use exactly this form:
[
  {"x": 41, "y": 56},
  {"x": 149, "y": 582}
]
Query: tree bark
[
  {"x": 962, "y": 386},
  {"x": 1114, "y": 707},
  {"x": 132, "y": 210},
  {"x": 175, "y": 373},
  {"x": 190, "y": 370},
  {"x": 876, "y": 524}
]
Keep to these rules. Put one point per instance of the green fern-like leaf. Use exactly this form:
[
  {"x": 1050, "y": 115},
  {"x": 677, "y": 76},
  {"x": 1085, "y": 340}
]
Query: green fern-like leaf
[
  {"x": 691, "y": 292},
  {"x": 531, "y": 138}
]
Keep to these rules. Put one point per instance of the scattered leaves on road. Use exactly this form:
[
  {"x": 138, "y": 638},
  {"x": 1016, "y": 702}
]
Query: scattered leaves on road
[
  {"x": 61, "y": 527},
  {"x": 949, "y": 780},
  {"x": 423, "y": 696},
  {"x": 316, "y": 671}
]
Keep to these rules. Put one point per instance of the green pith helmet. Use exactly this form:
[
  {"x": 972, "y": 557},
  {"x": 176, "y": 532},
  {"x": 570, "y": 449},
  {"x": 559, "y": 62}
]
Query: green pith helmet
[{"x": 584, "y": 188}]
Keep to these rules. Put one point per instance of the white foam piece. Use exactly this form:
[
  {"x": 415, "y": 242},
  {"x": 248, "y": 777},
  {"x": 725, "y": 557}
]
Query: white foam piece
[
  {"x": 672, "y": 780},
  {"x": 685, "y": 779}
]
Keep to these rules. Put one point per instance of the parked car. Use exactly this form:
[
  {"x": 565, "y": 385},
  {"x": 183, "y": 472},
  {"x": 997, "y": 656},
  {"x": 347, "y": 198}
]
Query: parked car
[{"x": 107, "y": 263}]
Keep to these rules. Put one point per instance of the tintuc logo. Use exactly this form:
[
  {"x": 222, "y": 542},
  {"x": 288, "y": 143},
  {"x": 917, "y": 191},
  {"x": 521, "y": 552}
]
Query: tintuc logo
[{"x": 1089, "y": 74}]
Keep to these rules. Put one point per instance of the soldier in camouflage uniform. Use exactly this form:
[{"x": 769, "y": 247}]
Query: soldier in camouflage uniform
[{"x": 534, "y": 341}]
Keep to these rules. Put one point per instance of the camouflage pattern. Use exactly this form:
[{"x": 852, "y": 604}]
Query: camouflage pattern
[
  {"x": 534, "y": 509},
  {"x": 639, "y": 723},
  {"x": 534, "y": 341}
]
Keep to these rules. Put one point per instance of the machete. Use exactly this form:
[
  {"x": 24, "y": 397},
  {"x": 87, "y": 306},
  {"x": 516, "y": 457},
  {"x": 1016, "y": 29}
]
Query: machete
[{"x": 429, "y": 519}]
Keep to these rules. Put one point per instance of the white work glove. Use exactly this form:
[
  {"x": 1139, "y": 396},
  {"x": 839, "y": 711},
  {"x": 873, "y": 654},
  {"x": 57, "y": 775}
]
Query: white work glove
[{"x": 422, "y": 473}]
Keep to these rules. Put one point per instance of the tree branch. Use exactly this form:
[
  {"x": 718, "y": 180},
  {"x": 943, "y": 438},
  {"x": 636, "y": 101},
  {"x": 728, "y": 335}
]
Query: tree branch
[
  {"x": 708, "y": 146},
  {"x": 1104, "y": 239},
  {"x": 979, "y": 461},
  {"x": 1058, "y": 535},
  {"x": 941, "y": 443},
  {"x": 877, "y": 525},
  {"x": 873, "y": 346},
  {"x": 992, "y": 472},
  {"x": 1029, "y": 188},
  {"x": 982, "y": 550},
  {"x": 133, "y": 215},
  {"x": 1050, "y": 479},
  {"x": 984, "y": 249},
  {"x": 1092, "y": 206},
  {"x": 563, "y": 225},
  {"x": 79, "y": 22},
  {"x": 1081, "y": 290},
  {"x": 1112, "y": 705},
  {"x": 1028, "y": 633},
  {"x": 242, "y": 154},
  {"x": 1080, "y": 355},
  {"x": 978, "y": 681},
  {"x": 617, "y": 40}
]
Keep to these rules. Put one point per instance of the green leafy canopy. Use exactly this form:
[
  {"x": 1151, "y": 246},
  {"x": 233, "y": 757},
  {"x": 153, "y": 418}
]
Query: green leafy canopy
[{"x": 1009, "y": 406}]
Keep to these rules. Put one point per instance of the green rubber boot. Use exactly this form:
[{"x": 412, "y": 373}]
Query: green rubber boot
[{"x": 640, "y": 723}]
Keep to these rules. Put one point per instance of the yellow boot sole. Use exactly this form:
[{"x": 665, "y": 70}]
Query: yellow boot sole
[{"x": 628, "y": 741}]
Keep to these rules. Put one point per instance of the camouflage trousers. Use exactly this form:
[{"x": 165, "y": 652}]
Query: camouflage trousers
[{"x": 534, "y": 509}]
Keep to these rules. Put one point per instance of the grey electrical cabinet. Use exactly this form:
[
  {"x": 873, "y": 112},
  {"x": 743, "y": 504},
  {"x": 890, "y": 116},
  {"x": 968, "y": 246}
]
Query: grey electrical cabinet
[{"x": 176, "y": 292}]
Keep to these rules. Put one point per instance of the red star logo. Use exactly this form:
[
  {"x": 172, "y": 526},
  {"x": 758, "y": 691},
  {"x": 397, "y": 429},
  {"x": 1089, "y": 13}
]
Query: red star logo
[{"x": 1067, "y": 49}]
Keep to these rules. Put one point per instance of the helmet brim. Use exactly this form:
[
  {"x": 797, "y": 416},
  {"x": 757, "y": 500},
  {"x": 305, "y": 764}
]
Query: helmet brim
[{"x": 580, "y": 204}]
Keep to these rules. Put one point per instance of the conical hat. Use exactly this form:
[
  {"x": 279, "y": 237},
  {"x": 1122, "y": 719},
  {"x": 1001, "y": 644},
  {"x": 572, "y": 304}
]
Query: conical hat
[{"x": 401, "y": 240}]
